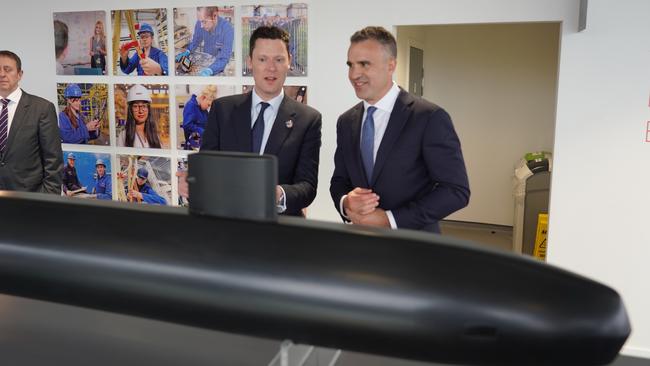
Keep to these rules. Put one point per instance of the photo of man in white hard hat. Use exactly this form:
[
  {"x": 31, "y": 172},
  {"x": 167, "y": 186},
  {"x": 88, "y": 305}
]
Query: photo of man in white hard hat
[{"x": 142, "y": 116}]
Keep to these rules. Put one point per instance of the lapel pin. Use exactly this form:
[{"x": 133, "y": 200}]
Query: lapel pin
[{"x": 289, "y": 124}]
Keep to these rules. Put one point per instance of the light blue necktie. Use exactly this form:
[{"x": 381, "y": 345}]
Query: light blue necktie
[
  {"x": 257, "y": 133},
  {"x": 368, "y": 142}
]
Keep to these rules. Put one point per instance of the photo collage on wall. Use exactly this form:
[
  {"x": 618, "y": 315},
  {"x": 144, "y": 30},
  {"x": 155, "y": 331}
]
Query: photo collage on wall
[{"x": 135, "y": 86}]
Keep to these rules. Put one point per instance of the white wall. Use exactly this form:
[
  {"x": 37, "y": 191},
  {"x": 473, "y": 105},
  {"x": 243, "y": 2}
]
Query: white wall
[
  {"x": 499, "y": 83},
  {"x": 603, "y": 98},
  {"x": 599, "y": 201}
]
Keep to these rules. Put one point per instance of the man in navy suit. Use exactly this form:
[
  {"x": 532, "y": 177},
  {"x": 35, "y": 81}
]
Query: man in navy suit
[
  {"x": 266, "y": 121},
  {"x": 398, "y": 161}
]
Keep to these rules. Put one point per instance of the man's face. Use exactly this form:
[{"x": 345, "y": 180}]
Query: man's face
[
  {"x": 101, "y": 170},
  {"x": 370, "y": 70},
  {"x": 140, "y": 111},
  {"x": 270, "y": 63},
  {"x": 71, "y": 162},
  {"x": 140, "y": 181},
  {"x": 208, "y": 22},
  {"x": 146, "y": 39},
  {"x": 9, "y": 75}
]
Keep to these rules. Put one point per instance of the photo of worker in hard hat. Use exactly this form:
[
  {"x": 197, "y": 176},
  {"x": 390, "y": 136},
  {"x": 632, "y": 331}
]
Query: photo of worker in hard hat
[
  {"x": 83, "y": 116},
  {"x": 296, "y": 92},
  {"x": 203, "y": 40},
  {"x": 142, "y": 115},
  {"x": 292, "y": 18},
  {"x": 71, "y": 184},
  {"x": 72, "y": 32},
  {"x": 103, "y": 187},
  {"x": 144, "y": 179},
  {"x": 193, "y": 104},
  {"x": 81, "y": 175},
  {"x": 139, "y": 42}
]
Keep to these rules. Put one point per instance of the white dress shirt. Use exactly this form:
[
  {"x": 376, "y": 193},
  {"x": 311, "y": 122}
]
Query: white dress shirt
[
  {"x": 14, "y": 98},
  {"x": 269, "y": 118},
  {"x": 381, "y": 116}
]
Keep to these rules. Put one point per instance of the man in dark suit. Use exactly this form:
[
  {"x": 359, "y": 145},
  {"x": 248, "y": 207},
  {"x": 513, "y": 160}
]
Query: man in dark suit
[
  {"x": 267, "y": 121},
  {"x": 398, "y": 161},
  {"x": 30, "y": 146}
]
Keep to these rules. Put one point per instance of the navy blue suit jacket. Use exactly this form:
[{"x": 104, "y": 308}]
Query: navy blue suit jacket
[
  {"x": 419, "y": 171},
  {"x": 295, "y": 144}
]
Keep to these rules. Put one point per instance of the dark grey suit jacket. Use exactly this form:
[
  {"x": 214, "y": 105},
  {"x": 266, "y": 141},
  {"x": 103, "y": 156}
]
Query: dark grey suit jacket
[
  {"x": 296, "y": 144},
  {"x": 32, "y": 160}
]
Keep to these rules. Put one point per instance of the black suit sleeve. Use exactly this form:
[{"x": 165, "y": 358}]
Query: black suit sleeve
[
  {"x": 302, "y": 192},
  {"x": 50, "y": 150},
  {"x": 446, "y": 167},
  {"x": 340, "y": 183},
  {"x": 210, "y": 138}
]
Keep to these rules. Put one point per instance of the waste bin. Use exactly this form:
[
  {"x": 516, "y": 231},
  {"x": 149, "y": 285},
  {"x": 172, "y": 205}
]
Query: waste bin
[{"x": 531, "y": 190}]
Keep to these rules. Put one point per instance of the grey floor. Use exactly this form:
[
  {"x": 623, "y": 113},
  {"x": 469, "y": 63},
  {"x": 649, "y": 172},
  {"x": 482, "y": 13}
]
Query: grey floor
[{"x": 494, "y": 236}]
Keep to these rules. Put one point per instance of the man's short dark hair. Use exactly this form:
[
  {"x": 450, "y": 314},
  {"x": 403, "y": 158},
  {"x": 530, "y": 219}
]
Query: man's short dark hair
[
  {"x": 379, "y": 34},
  {"x": 265, "y": 32},
  {"x": 60, "y": 37},
  {"x": 209, "y": 10},
  {"x": 7, "y": 53}
]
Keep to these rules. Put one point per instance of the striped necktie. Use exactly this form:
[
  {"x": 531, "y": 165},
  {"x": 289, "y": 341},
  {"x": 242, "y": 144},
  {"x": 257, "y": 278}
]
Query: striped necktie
[{"x": 4, "y": 124}]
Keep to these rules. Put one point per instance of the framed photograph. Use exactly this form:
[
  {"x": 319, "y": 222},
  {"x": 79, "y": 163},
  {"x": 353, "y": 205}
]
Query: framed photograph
[
  {"x": 297, "y": 92},
  {"x": 144, "y": 180},
  {"x": 87, "y": 175},
  {"x": 203, "y": 41},
  {"x": 182, "y": 166},
  {"x": 192, "y": 107},
  {"x": 83, "y": 113},
  {"x": 140, "y": 42},
  {"x": 292, "y": 18},
  {"x": 80, "y": 43},
  {"x": 142, "y": 115}
]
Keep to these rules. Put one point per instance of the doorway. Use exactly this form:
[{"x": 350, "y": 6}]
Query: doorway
[{"x": 499, "y": 84}]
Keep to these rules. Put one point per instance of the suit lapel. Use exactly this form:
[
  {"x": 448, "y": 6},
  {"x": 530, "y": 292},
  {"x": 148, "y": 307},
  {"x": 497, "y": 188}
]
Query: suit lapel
[
  {"x": 19, "y": 116},
  {"x": 355, "y": 125},
  {"x": 398, "y": 119},
  {"x": 281, "y": 127},
  {"x": 242, "y": 121}
]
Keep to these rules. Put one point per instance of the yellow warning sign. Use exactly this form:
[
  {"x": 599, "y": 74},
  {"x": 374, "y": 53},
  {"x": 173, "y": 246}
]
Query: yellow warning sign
[{"x": 540, "y": 238}]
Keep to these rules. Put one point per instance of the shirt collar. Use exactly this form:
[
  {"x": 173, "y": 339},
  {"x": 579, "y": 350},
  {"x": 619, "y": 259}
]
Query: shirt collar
[
  {"x": 274, "y": 102},
  {"x": 14, "y": 97},
  {"x": 387, "y": 102}
]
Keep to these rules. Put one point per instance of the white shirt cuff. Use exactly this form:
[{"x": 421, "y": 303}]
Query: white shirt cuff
[
  {"x": 391, "y": 219},
  {"x": 341, "y": 209},
  {"x": 281, "y": 205}
]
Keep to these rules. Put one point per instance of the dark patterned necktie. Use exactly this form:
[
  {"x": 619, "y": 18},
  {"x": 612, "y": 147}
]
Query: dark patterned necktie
[
  {"x": 4, "y": 124},
  {"x": 258, "y": 129}
]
